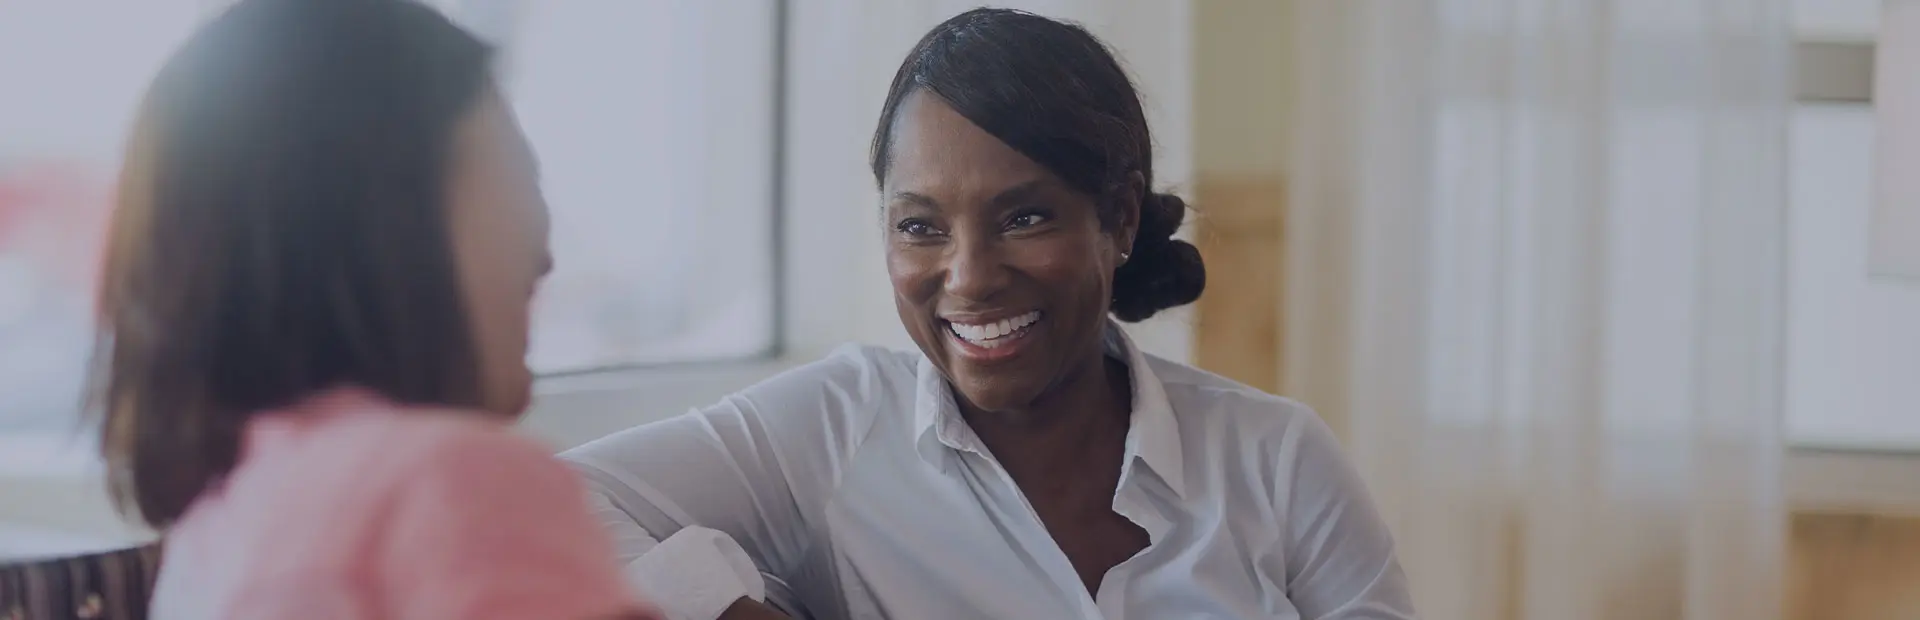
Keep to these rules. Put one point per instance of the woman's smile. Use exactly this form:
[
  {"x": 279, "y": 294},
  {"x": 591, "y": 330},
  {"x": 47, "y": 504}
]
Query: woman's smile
[{"x": 989, "y": 340}]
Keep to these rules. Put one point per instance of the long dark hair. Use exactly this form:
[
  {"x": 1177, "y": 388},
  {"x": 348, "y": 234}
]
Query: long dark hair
[
  {"x": 281, "y": 229},
  {"x": 1056, "y": 94}
]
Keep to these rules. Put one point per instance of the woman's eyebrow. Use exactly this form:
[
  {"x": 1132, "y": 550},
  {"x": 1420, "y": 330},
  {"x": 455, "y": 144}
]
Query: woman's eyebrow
[
  {"x": 1022, "y": 192},
  {"x": 916, "y": 199},
  {"x": 1019, "y": 193}
]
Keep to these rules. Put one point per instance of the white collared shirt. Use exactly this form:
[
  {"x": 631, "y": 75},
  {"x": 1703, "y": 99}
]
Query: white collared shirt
[{"x": 860, "y": 492}]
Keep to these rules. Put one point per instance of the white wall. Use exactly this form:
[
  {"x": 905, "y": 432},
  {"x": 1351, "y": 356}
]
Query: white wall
[{"x": 1836, "y": 19}]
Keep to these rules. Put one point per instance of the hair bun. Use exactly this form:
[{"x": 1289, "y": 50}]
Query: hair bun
[{"x": 1162, "y": 272}]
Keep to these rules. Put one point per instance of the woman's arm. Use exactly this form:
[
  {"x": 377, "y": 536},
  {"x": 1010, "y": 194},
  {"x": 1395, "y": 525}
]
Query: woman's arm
[
  {"x": 1340, "y": 560},
  {"x": 695, "y": 573},
  {"x": 687, "y": 548},
  {"x": 753, "y": 467}
]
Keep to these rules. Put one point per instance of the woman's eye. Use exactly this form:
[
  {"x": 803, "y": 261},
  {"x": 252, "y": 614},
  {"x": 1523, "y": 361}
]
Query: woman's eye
[
  {"x": 1026, "y": 220},
  {"x": 916, "y": 228}
]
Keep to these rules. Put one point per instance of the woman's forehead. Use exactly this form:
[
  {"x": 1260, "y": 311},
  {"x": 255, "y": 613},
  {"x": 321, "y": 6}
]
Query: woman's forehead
[{"x": 934, "y": 147}]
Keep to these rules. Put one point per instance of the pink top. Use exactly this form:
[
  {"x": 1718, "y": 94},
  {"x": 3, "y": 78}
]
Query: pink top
[{"x": 352, "y": 508}]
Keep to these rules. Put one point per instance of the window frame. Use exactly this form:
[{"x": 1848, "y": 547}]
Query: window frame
[
  {"x": 810, "y": 250},
  {"x": 1824, "y": 475},
  {"x": 599, "y": 388},
  {"x": 487, "y": 18}
]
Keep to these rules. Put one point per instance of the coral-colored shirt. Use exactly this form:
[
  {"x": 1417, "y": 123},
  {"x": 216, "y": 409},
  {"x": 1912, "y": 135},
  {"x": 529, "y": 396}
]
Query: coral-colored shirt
[{"x": 351, "y": 508}]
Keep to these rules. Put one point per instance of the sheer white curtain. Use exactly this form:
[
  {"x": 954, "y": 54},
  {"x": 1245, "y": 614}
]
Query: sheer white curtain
[{"x": 1536, "y": 278}]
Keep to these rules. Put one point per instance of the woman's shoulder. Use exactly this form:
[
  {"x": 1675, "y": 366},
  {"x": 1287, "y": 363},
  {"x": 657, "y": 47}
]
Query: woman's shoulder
[
  {"x": 368, "y": 443},
  {"x": 822, "y": 410},
  {"x": 852, "y": 360},
  {"x": 1263, "y": 440},
  {"x": 1245, "y": 418},
  {"x": 426, "y": 432},
  {"x": 1196, "y": 391},
  {"x": 327, "y": 476},
  {"x": 854, "y": 379},
  {"x": 427, "y": 464},
  {"x": 776, "y": 450}
]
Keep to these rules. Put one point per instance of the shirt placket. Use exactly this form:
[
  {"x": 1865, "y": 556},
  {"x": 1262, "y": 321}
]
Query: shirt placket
[
  {"x": 1029, "y": 531},
  {"x": 1132, "y": 500}
]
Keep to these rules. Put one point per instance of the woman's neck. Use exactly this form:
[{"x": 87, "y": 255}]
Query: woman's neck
[{"x": 1074, "y": 430}]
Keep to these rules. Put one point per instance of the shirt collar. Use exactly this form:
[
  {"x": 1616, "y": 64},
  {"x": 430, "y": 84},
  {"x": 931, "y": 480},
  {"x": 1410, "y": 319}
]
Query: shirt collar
[{"x": 1153, "y": 436}]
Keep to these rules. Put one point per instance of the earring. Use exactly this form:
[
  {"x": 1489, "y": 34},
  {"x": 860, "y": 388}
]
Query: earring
[{"x": 1124, "y": 256}]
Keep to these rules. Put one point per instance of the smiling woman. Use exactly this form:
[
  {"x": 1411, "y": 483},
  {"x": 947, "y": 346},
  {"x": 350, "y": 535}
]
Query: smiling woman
[
  {"x": 1028, "y": 460},
  {"x": 1025, "y": 203}
]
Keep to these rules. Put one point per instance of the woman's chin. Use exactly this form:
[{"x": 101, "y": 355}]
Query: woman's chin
[
  {"x": 511, "y": 396},
  {"x": 994, "y": 391}
]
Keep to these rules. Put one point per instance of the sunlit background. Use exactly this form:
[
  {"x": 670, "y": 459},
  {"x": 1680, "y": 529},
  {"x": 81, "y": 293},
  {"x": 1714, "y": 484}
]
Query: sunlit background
[{"x": 1406, "y": 206}]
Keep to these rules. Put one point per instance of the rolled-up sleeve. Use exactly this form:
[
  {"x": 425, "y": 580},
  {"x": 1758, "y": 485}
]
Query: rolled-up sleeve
[{"x": 700, "y": 470}]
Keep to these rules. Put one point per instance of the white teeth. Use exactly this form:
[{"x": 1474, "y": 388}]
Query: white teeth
[{"x": 991, "y": 335}]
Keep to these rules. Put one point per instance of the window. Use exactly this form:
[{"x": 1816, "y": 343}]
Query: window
[
  {"x": 1853, "y": 338},
  {"x": 655, "y": 121},
  {"x": 655, "y": 124}
]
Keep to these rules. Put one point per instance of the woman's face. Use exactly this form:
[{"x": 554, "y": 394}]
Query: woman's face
[
  {"x": 1001, "y": 271},
  {"x": 499, "y": 227}
]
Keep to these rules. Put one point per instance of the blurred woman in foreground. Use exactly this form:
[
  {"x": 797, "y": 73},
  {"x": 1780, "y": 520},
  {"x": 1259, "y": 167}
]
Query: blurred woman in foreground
[{"x": 315, "y": 319}]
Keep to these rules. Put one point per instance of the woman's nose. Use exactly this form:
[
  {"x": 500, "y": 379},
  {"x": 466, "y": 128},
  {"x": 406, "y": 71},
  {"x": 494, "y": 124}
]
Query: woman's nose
[{"x": 976, "y": 270}]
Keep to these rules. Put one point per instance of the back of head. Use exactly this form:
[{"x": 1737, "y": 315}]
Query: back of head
[
  {"x": 1052, "y": 91},
  {"x": 280, "y": 231}
]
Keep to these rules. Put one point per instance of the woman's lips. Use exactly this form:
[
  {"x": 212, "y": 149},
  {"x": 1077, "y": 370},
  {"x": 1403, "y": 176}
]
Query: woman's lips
[{"x": 993, "y": 340}]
